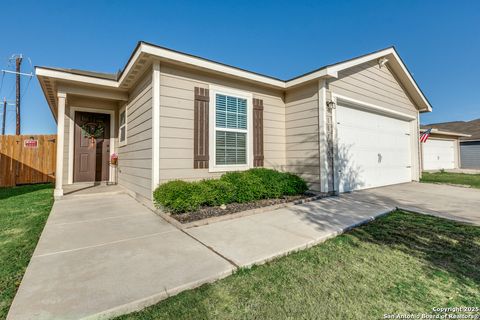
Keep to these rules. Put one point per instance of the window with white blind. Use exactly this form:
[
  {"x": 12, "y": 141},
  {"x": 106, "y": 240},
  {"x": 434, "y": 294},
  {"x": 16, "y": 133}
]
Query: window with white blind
[
  {"x": 230, "y": 130},
  {"x": 231, "y": 126},
  {"x": 122, "y": 127}
]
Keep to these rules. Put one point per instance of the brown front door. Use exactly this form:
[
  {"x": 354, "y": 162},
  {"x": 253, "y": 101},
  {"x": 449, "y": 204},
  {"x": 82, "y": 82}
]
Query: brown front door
[{"x": 92, "y": 147}]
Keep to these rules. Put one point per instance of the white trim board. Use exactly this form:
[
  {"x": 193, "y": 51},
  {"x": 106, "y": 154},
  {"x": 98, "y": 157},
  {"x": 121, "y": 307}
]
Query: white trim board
[
  {"x": 322, "y": 135},
  {"x": 349, "y": 102},
  {"x": 125, "y": 142},
  {"x": 71, "y": 139},
  {"x": 155, "y": 125}
]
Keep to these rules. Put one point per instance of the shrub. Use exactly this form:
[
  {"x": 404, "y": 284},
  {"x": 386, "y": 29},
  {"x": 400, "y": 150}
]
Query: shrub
[
  {"x": 178, "y": 196},
  {"x": 254, "y": 184},
  {"x": 280, "y": 183},
  {"x": 248, "y": 187},
  {"x": 294, "y": 185},
  {"x": 274, "y": 181},
  {"x": 217, "y": 192}
]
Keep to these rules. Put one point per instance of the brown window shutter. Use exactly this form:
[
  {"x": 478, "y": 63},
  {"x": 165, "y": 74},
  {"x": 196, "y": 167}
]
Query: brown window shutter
[
  {"x": 258, "y": 133},
  {"x": 200, "y": 128}
]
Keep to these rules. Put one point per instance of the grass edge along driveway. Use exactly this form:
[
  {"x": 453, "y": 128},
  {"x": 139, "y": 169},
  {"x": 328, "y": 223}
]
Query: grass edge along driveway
[
  {"x": 23, "y": 213},
  {"x": 400, "y": 263},
  {"x": 472, "y": 180}
]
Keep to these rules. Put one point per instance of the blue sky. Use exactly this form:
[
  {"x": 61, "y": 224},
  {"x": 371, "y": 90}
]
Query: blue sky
[{"x": 438, "y": 40}]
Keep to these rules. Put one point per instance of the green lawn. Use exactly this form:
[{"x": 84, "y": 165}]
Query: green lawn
[
  {"x": 472, "y": 180},
  {"x": 23, "y": 213},
  {"x": 403, "y": 262}
]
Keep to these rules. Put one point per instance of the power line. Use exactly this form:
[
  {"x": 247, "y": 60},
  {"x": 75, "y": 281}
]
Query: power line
[
  {"x": 1, "y": 83},
  {"x": 26, "y": 88},
  {"x": 18, "y": 72}
]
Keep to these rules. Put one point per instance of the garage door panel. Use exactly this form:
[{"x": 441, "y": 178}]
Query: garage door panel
[
  {"x": 373, "y": 150},
  {"x": 353, "y": 135},
  {"x": 438, "y": 154},
  {"x": 392, "y": 176},
  {"x": 470, "y": 154}
]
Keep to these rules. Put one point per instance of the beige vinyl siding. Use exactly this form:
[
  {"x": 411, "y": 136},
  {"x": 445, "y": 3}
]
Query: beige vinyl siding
[
  {"x": 135, "y": 158},
  {"x": 176, "y": 121},
  {"x": 301, "y": 126},
  {"x": 370, "y": 83}
]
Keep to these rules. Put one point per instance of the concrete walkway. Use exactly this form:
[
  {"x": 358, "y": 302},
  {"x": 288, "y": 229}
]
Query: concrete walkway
[
  {"x": 258, "y": 238},
  {"x": 262, "y": 237},
  {"x": 107, "y": 255}
]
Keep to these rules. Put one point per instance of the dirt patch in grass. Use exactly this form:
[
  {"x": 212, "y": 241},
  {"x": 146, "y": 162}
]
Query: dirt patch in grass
[{"x": 209, "y": 212}]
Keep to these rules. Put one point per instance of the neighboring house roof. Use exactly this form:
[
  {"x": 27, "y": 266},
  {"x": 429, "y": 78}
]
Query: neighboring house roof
[
  {"x": 445, "y": 133},
  {"x": 144, "y": 53},
  {"x": 471, "y": 128}
]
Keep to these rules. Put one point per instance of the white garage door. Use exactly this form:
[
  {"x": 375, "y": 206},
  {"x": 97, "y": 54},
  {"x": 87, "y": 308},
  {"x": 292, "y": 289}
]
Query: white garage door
[
  {"x": 438, "y": 154},
  {"x": 373, "y": 150}
]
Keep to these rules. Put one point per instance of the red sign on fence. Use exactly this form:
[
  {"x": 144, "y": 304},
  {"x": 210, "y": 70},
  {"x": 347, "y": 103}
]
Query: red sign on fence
[{"x": 30, "y": 143}]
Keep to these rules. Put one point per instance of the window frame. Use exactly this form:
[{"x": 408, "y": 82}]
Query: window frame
[
  {"x": 213, "y": 167},
  {"x": 124, "y": 142}
]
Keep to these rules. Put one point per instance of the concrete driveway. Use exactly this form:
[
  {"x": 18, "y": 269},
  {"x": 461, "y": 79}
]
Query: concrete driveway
[
  {"x": 107, "y": 254},
  {"x": 451, "y": 202}
]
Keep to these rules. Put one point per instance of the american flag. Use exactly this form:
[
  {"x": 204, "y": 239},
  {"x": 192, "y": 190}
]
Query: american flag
[{"x": 425, "y": 135}]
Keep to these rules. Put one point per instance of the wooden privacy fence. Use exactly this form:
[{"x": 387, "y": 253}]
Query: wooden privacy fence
[{"x": 27, "y": 159}]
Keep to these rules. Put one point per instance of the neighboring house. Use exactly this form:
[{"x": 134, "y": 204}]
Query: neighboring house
[
  {"x": 469, "y": 144},
  {"x": 441, "y": 150},
  {"x": 171, "y": 115}
]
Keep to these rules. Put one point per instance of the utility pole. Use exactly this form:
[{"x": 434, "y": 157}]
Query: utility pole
[
  {"x": 4, "y": 114},
  {"x": 18, "y": 63}
]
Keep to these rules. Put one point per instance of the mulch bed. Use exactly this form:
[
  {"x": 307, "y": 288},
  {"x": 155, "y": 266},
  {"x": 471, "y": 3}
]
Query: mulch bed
[{"x": 208, "y": 212}]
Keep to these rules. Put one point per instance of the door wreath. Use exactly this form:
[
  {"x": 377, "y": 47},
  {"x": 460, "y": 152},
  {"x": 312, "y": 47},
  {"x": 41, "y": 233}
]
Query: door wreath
[{"x": 93, "y": 130}]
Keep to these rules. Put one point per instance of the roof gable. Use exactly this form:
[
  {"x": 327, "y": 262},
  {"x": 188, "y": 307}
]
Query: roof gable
[{"x": 145, "y": 53}]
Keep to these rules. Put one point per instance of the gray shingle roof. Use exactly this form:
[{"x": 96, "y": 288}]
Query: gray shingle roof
[
  {"x": 467, "y": 127},
  {"x": 102, "y": 75}
]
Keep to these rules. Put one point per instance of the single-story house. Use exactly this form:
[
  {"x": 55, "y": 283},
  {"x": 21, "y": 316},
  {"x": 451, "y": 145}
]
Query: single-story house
[
  {"x": 469, "y": 143},
  {"x": 171, "y": 115},
  {"x": 441, "y": 150}
]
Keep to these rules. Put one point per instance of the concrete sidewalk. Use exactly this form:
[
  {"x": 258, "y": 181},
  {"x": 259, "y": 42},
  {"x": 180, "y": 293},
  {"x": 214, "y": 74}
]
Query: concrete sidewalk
[
  {"x": 109, "y": 255},
  {"x": 262, "y": 237}
]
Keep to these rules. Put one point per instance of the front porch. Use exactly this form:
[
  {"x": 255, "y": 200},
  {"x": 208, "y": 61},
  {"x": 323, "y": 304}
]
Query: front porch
[
  {"x": 91, "y": 188},
  {"x": 87, "y": 130}
]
